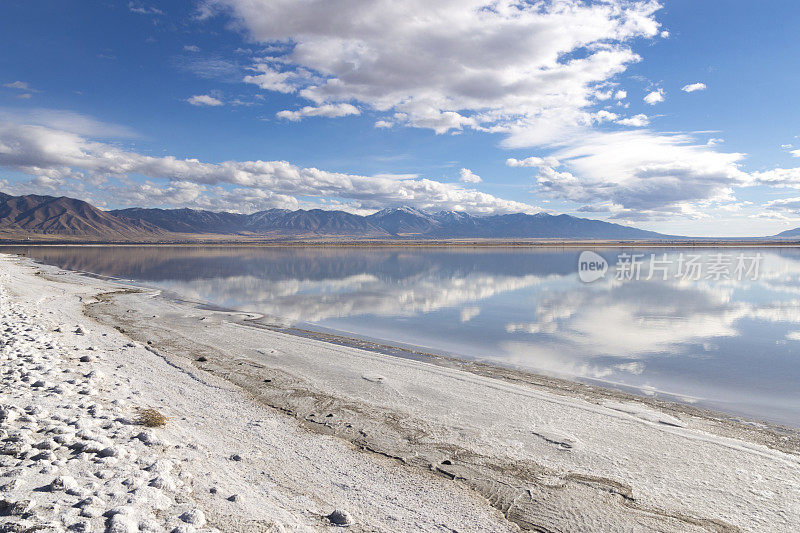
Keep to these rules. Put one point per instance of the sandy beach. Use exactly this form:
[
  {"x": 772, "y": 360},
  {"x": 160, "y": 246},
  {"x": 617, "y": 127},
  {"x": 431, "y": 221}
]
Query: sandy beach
[{"x": 268, "y": 431}]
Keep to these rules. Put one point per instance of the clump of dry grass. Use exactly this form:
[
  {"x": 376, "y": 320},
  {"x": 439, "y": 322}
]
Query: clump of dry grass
[{"x": 151, "y": 418}]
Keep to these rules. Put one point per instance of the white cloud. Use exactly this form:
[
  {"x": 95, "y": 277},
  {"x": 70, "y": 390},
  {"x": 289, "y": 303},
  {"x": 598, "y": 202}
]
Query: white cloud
[
  {"x": 57, "y": 154},
  {"x": 327, "y": 110},
  {"x": 191, "y": 48},
  {"x": 533, "y": 72},
  {"x": 605, "y": 116},
  {"x": 21, "y": 85},
  {"x": 779, "y": 177},
  {"x": 637, "y": 121},
  {"x": 791, "y": 205},
  {"x": 468, "y": 313},
  {"x": 533, "y": 162},
  {"x": 141, "y": 9},
  {"x": 795, "y": 153},
  {"x": 505, "y": 67},
  {"x": 467, "y": 176},
  {"x": 271, "y": 79},
  {"x": 204, "y": 100},
  {"x": 643, "y": 174},
  {"x": 692, "y": 87},
  {"x": 786, "y": 146},
  {"x": 385, "y": 124},
  {"x": 654, "y": 97},
  {"x": 66, "y": 121}
]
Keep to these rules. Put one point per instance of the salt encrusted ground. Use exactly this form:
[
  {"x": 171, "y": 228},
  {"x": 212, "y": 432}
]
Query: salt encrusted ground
[
  {"x": 73, "y": 460},
  {"x": 269, "y": 431}
]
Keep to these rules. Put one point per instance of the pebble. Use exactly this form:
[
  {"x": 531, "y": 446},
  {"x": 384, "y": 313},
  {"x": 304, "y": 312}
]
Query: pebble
[
  {"x": 16, "y": 508},
  {"x": 63, "y": 483},
  {"x": 340, "y": 517},
  {"x": 120, "y": 523},
  {"x": 194, "y": 517}
]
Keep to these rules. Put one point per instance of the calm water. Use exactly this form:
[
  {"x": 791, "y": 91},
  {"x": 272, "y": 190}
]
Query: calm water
[{"x": 723, "y": 343}]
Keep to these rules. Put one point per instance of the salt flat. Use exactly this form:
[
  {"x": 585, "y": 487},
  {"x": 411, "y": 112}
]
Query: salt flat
[{"x": 273, "y": 431}]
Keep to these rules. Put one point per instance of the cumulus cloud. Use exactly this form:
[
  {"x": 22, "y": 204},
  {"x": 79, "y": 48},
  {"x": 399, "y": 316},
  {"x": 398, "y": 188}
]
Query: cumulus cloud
[
  {"x": 191, "y": 48},
  {"x": 62, "y": 155},
  {"x": 692, "y": 87},
  {"x": 533, "y": 162},
  {"x": 642, "y": 174},
  {"x": 791, "y": 205},
  {"x": 605, "y": 116},
  {"x": 327, "y": 110},
  {"x": 534, "y": 72},
  {"x": 204, "y": 100},
  {"x": 503, "y": 66},
  {"x": 638, "y": 121},
  {"x": 467, "y": 176},
  {"x": 795, "y": 153},
  {"x": 779, "y": 177},
  {"x": 654, "y": 97}
]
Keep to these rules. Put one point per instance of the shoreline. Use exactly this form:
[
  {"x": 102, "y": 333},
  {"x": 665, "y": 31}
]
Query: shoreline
[
  {"x": 467, "y": 243},
  {"x": 586, "y": 388},
  {"x": 512, "y": 373},
  {"x": 542, "y": 452}
]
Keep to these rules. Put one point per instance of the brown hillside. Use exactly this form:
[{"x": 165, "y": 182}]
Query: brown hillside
[{"x": 49, "y": 215}]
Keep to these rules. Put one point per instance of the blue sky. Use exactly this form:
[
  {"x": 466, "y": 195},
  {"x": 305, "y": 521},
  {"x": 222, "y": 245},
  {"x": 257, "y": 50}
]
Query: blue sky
[{"x": 567, "y": 106}]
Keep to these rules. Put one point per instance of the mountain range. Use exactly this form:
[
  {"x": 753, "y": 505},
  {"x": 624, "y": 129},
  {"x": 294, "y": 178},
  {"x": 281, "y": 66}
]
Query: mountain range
[
  {"x": 48, "y": 215},
  {"x": 394, "y": 222},
  {"x": 33, "y": 215}
]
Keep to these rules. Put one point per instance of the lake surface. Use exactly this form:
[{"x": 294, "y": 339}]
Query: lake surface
[{"x": 709, "y": 338}]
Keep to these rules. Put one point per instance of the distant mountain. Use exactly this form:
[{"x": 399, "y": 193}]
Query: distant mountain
[
  {"x": 404, "y": 221},
  {"x": 393, "y": 222},
  {"x": 539, "y": 226},
  {"x": 272, "y": 221},
  {"x": 48, "y": 215},
  {"x": 68, "y": 216},
  {"x": 789, "y": 234},
  {"x": 186, "y": 220},
  {"x": 320, "y": 222}
]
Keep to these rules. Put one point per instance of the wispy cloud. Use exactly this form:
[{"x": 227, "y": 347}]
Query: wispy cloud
[
  {"x": 327, "y": 110},
  {"x": 141, "y": 9},
  {"x": 21, "y": 86},
  {"x": 67, "y": 121},
  {"x": 201, "y": 100},
  {"x": 692, "y": 87}
]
